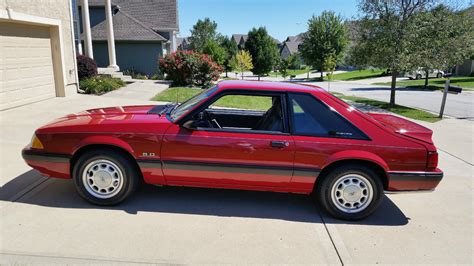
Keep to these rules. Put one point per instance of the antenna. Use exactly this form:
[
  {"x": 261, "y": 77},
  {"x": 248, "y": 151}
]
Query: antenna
[{"x": 177, "y": 95}]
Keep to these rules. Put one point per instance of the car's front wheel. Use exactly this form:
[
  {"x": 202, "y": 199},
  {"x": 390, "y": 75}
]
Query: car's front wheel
[
  {"x": 439, "y": 75},
  {"x": 351, "y": 192},
  {"x": 105, "y": 177}
]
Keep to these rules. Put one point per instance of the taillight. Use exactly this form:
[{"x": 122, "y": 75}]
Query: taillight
[{"x": 432, "y": 160}]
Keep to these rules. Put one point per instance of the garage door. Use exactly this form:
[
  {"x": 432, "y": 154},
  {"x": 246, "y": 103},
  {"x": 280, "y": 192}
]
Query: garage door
[{"x": 26, "y": 65}]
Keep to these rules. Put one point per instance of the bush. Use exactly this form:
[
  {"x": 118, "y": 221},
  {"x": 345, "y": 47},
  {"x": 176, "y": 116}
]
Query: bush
[
  {"x": 189, "y": 68},
  {"x": 86, "y": 67},
  {"x": 100, "y": 84},
  {"x": 135, "y": 74}
]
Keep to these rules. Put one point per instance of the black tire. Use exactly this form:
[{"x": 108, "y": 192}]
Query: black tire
[
  {"x": 129, "y": 179},
  {"x": 439, "y": 75},
  {"x": 418, "y": 76},
  {"x": 325, "y": 184}
]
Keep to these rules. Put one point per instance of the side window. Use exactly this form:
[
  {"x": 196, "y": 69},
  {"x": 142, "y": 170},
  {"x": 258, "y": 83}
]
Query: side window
[
  {"x": 244, "y": 112},
  {"x": 243, "y": 102},
  {"x": 313, "y": 118}
]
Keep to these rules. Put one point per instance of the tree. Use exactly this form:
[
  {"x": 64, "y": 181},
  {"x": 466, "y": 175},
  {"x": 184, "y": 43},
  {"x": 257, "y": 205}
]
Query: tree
[
  {"x": 217, "y": 53},
  {"x": 263, "y": 50},
  {"x": 444, "y": 38},
  {"x": 329, "y": 64},
  {"x": 231, "y": 50},
  {"x": 203, "y": 31},
  {"x": 295, "y": 61},
  {"x": 284, "y": 65},
  {"x": 327, "y": 34},
  {"x": 242, "y": 62},
  {"x": 386, "y": 34}
]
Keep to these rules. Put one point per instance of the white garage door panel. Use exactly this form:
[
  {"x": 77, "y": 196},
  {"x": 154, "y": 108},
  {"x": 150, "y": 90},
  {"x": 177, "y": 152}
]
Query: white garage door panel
[{"x": 26, "y": 65}]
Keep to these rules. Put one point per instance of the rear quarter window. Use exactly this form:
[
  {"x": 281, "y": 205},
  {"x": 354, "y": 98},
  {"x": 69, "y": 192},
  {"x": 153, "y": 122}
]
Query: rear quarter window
[{"x": 311, "y": 117}]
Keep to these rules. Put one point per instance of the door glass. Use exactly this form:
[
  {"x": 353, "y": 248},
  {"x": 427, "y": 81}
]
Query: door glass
[
  {"x": 243, "y": 112},
  {"x": 243, "y": 102}
]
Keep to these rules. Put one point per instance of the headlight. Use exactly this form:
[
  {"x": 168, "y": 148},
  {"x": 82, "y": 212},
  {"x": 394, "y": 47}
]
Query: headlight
[{"x": 36, "y": 143}]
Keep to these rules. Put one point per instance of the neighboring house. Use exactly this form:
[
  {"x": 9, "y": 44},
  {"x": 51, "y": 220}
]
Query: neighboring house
[
  {"x": 289, "y": 48},
  {"x": 144, "y": 30},
  {"x": 183, "y": 43},
  {"x": 291, "y": 45},
  {"x": 37, "y": 52},
  {"x": 240, "y": 40},
  {"x": 467, "y": 67}
]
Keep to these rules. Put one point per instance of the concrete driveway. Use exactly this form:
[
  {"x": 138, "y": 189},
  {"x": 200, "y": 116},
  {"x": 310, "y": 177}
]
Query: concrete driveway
[{"x": 45, "y": 221}]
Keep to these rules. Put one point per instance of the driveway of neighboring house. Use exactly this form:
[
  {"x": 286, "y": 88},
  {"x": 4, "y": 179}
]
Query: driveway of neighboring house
[{"x": 45, "y": 221}]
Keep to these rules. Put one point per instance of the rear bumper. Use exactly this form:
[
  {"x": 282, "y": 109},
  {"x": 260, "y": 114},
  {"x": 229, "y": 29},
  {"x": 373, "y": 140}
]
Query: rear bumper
[
  {"x": 413, "y": 181},
  {"x": 49, "y": 164}
]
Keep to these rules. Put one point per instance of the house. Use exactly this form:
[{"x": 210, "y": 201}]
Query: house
[
  {"x": 38, "y": 59},
  {"x": 183, "y": 43},
  {"x": 143, "y": 31},
  {"x": 467, "y": 67},
  {"x": 240, "y": 40},
  {"x": 289, "y": 48},
  {"x": 291, "y": 45}
]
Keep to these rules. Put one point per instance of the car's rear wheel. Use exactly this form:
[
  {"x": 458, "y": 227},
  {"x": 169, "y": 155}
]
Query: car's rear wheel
[
  {"x": 351, "y": 192},
  {"x": 418, "y": 76},
  {"x": 104, "y": 177},
  {"x": 439, "y": 75}
]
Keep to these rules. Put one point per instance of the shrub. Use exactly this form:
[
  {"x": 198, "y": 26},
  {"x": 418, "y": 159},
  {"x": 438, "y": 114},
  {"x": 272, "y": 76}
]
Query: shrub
[
  {"x": 189, "y": 68},
  {"x": 86, "y": 67},
  {"x": 135, "y": 74},
  {"x": 100, "y": 84}
]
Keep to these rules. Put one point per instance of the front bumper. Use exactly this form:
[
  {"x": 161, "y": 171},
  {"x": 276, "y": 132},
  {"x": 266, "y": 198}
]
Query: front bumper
[
  {"x": 49, "y": 164},
  {"x": 413, "y": 181}
]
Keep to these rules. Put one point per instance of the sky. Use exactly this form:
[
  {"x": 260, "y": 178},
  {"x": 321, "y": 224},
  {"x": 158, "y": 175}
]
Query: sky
[{"x": 282, "y": 18}]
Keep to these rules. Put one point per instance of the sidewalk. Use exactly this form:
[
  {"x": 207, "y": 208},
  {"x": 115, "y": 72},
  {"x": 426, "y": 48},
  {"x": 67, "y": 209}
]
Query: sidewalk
[{"x": 139, "y": 90}]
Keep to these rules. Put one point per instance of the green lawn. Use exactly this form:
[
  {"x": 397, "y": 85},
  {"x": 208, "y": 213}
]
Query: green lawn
[
  {"x": 358, "y": 74},
  {"x": 233, "y": 101},
  {"x": 397, "y": 109},
  {"x": 467, "y": 83}
]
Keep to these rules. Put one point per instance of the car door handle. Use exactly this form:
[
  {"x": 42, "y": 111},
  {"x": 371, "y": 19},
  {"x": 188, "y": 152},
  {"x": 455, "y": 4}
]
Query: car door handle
[{"x": 279, "y": 144}]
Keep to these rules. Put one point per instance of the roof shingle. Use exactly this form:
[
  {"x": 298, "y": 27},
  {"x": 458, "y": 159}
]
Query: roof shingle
[{"x": 126, "y": 28}]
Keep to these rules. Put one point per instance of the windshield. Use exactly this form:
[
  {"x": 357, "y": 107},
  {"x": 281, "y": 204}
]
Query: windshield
[{"x": 188, "y": 105}]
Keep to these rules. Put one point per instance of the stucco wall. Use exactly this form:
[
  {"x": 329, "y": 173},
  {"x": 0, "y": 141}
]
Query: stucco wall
[
  {"x": 55, "y": 9},
  {"x": 141, "y": 56}
]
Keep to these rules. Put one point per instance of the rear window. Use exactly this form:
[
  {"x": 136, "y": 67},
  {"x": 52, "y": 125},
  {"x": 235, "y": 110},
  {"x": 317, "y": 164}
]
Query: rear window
[{"x": 311, "y": 117}]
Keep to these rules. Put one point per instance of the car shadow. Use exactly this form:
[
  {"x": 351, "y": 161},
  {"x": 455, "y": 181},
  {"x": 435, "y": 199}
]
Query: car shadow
[{"x": 60, "y": 193}]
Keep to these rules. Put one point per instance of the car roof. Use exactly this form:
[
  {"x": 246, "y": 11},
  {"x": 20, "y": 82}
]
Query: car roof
[{"x": 267, "y": 85}]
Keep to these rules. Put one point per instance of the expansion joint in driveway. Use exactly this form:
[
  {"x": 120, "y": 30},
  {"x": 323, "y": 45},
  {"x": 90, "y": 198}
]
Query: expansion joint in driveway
[{"x": 330, "y": 236}]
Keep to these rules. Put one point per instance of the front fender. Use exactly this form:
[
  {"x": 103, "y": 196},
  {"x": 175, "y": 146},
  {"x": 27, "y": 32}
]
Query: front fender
[{"x": 105, "y": 140}]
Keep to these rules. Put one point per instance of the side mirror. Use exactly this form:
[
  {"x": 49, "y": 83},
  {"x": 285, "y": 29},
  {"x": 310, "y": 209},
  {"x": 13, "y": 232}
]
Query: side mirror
[{"x": 190, "y": 124}]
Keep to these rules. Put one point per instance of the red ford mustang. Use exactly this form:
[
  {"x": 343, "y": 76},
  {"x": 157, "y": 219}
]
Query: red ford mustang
[{"x": 288, "y": 138}]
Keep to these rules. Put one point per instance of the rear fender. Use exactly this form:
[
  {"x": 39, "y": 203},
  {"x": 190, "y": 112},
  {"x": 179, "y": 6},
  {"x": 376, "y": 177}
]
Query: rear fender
[{"x": 356, "y": 155}]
